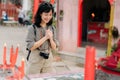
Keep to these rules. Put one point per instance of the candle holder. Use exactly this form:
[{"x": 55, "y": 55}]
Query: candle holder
[{"x": 11, "y": 71}]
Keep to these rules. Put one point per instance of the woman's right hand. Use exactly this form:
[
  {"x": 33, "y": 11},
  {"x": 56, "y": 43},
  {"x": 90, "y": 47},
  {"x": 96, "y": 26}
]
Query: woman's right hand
[
  {"x": 47, "y": 34},
  {"x": 50, "y": 34}
]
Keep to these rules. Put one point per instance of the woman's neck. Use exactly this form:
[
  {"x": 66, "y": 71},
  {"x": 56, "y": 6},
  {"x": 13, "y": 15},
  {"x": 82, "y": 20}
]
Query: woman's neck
[{"x": 42, "y": 24}]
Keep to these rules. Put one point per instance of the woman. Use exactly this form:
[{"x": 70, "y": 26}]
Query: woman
[{"x": 40, "y": 40}]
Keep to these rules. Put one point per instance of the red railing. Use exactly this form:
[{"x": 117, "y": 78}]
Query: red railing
[{"x": 10, "y": 10}]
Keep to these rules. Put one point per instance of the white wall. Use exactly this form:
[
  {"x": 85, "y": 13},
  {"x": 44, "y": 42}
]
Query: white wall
[
  {"x": 68, "y": 30},
  {"x": 27, "y": 5},
  {"x": 68, "y": 27}
]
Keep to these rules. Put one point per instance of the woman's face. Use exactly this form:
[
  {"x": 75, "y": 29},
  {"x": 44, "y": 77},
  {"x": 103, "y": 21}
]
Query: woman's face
[{"x": 46, "y": 17}]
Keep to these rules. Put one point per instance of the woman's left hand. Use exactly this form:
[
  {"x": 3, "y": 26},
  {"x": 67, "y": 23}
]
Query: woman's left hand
[
  {"x": 50, "y": 33},
  {"x": 53, "y": 44}
]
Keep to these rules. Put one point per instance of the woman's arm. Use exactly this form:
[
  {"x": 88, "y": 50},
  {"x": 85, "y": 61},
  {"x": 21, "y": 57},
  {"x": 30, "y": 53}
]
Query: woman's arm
[
  {"x": 39, "y": 43},
  {"x": 52, "y": 42},
  {"x": 31, "y": 44}
]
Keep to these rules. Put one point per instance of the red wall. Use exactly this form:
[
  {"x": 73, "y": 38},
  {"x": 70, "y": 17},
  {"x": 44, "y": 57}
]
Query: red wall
[{"x": 10, "y": 9}]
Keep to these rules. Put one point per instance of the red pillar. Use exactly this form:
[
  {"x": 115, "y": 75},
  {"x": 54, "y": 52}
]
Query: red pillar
[
  {"x": 90, "y": 63},
  {"x": 79, "y": 37},
  {"x": 111, "y": 1},
  {"x": 35, "y": 7},
  {"x": 52, "y": 1}
]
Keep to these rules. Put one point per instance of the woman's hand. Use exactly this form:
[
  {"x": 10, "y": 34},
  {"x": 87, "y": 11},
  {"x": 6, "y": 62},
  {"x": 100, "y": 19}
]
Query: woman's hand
[
  {"x": 50, "y": 37},
  {"x": 49, "y": 33}
]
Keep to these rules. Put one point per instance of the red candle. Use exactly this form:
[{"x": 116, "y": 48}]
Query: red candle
[
  {"x": 4, "y": 55},
  {"x": 52, "y": 1},
  {"x": 19, "y": 76},
  {"x": 14, "y": 57},
  {"x": 11, "y": 54},
  {"x": 22, "y": 67},
  {"x": 13, "y": 60},
  {"x": 16, "y": 53},
  {"x": 90, "y": 63}
]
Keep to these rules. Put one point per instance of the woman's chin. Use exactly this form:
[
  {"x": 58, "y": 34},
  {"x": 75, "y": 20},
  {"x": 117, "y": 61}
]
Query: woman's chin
[{"x": 46, "y": 21}]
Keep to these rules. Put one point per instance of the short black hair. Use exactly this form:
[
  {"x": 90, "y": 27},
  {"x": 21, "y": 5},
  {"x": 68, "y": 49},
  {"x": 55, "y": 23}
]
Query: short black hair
[
  {"x": 115, "y": 33},
  {"x": 43, "y": 7}
]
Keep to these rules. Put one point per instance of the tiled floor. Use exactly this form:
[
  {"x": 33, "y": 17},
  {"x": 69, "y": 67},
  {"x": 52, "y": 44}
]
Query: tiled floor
[{"x": 16, "y": 35}]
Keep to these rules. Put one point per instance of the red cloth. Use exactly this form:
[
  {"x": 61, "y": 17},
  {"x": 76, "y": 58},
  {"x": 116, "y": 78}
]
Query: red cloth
[
  {"x": 111, "y": 62},
  {"x": 114, "y": 58},
  {"x": 108, "y": 71}
]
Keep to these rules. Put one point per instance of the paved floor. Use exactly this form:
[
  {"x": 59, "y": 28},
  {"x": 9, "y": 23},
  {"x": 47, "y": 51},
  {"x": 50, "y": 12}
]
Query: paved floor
[
  {"x": 13, "y": 36},
  {"x": 16, "y": 35}
]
